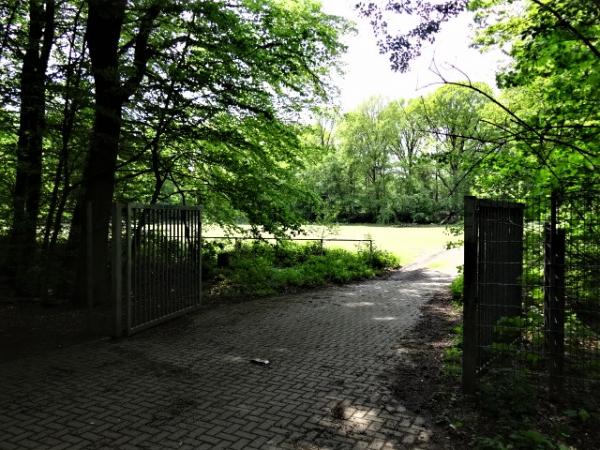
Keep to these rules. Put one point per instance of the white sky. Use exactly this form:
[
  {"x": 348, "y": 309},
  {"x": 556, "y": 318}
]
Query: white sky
[{"x": 368, "y": 73}]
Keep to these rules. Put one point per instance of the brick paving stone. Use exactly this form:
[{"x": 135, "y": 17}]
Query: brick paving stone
[{"x": 189, "y": 383}]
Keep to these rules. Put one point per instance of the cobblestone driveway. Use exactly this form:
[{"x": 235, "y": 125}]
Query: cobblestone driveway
[{"x": 189, "y": 384}]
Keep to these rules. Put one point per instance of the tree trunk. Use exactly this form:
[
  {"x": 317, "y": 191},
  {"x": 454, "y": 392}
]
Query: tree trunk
[
  {"x": 72, "y": 105},
  {"x": 28, "y": 183},
  {"x": 105, "y": 21}
]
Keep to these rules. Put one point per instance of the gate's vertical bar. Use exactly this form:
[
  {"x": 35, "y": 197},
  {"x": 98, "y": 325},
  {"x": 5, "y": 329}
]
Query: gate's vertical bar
[
  {"x": 177, "y": 266},
  {"x": 188, "y": 287},
  {"x": 548, "y": 289},
  {"x": 116, "y": 266},
  {"x": 176, "y": 302},
  {"x": 200, "y": 256},
  {"x": 182, "y": 266},
  {"x": 470, "y": 344},
  {"x": 128, "y": 298},
  {"x": 149, "y": 300},
  {"x": 169, "y": 214},
  {"x": 166, "y": 259},
  {"x": 191, "y": 257},
  {"x": 89, "y": 262},
  {"x": 142, "y": 298},
  {"x": 134, "y": 283},
  {"x": 137, "y": 293},
  {"x": 152, "y": 252}
]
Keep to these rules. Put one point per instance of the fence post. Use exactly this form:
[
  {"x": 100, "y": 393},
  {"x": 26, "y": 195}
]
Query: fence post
[
  {"x": 470, "y": 332},
  {"x": 128, "y": 266},
  {"x": 116, "y": 268},
  {"x": 554, "y": 304},
  {"x": 89, "y": 262}
]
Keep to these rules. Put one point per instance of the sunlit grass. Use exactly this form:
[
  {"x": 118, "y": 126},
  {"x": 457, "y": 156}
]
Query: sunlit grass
[{"x": 407, "y": 243}]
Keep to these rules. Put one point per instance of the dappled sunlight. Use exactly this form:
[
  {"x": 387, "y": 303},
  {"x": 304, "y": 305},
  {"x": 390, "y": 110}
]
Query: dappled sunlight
[
  {"x": 387, "y": 427},
  {"x": 358, "y": 304}
]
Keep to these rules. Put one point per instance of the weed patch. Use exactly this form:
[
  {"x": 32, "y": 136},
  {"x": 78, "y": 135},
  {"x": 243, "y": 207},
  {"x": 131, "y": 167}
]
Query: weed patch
[{"x": 514, "y": 409}]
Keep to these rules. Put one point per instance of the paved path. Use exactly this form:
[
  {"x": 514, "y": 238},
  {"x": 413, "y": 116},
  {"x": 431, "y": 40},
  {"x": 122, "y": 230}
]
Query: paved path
[{"x": 189, "y": 384}]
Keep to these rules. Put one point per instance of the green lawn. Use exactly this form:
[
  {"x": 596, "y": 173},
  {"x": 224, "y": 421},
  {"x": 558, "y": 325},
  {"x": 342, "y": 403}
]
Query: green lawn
[{"x": 408, "y": 243}]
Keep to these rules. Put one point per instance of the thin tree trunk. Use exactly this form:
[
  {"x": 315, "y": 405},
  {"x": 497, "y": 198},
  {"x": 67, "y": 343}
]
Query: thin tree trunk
[
  {"x": 29, "y": 148},
  {"x": 70, "y": 109},
  {"x": 13, "y": 10}
]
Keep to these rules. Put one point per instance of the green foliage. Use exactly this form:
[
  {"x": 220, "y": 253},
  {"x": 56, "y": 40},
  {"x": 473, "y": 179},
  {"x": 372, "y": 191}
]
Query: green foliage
[
  {"x": 456, "y": 287},
  {"x": 261, "y": 269},
  {"x": 550, "y": 94},
  {"x": 403, "y": 161},
  {"x": 581, "y": 414},
  {"x": 507, "y": 397},
  {"x": 214, "y": 120},
  {"x": 522, "y": 439},
  {"x": 453, "y": 354}
]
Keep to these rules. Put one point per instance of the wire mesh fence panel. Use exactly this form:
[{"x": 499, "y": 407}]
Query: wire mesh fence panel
[
  {"x": 162, "y": 263},
  {"x": 579, "y": 216},
  {"x": 499, "y": 272},
  {"x": 532, "y": 288}
]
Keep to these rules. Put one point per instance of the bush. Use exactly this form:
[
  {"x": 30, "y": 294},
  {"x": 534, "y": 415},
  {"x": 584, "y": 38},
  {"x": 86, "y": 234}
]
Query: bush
[
  {"x": 260, "y": 269},
  {"x": 457, "y": 288}
]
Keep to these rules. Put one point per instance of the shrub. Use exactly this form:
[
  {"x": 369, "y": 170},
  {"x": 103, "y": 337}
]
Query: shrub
[
  {"x": 457, "y": 288},
  {"x": 261, "y": 269}
]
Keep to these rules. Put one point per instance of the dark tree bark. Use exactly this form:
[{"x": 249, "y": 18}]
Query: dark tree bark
[
  {"x": 105, "y": 23},
  {"x": 31, "y": 130}
]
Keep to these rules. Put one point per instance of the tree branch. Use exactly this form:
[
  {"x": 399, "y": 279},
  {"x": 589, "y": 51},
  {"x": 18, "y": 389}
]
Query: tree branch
[{"x": 142, "y": 50}]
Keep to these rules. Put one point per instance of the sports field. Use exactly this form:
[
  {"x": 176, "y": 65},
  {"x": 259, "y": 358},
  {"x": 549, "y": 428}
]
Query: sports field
[{"x": 409, "y": 243}]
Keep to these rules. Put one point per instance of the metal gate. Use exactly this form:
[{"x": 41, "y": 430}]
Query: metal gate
[
  {"x": 157, "y": 264},
  {"x": 493, "y": 267}
]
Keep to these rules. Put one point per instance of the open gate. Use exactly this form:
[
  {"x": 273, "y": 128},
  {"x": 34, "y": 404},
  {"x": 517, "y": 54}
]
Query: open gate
[{"x": 156, "y": 264}]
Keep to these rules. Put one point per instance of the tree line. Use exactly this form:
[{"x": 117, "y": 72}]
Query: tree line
[
  {"x": 404, "y": 161},
  {"x": 413, "y": 161}
]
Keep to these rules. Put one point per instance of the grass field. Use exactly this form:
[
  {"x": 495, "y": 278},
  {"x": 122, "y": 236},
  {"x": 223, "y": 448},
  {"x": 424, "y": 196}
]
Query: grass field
[{"x": 408, "y": 243}]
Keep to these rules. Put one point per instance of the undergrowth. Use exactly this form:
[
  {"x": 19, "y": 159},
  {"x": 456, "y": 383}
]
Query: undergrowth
[
  {"x": 260, "y": 269},
  {"x": 515, "y": 410}
]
